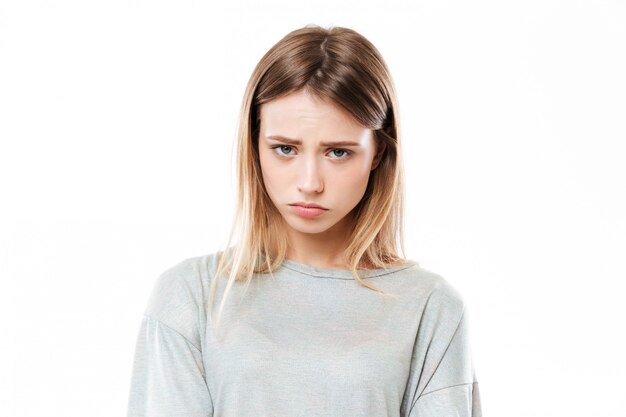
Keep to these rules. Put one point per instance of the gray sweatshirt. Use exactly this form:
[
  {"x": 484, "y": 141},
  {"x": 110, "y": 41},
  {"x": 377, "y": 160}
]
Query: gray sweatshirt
[{"x": 305, "y": 342}]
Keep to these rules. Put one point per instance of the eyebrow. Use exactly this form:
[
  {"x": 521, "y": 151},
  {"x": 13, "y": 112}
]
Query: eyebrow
[{"x": 299, "y": 142}]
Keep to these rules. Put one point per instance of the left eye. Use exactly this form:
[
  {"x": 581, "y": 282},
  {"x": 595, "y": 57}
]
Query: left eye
[{"x": 340, "y": 150}]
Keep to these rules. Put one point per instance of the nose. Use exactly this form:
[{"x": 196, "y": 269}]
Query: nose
[{"x": 311, "y": 180}]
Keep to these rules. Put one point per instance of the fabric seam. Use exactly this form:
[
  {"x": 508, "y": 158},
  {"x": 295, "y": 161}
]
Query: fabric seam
[
  {"x": 451, "y": 386},
  {"x": 174, "y": 330},
  {"x": 346, "y": 278},
  {"x": 456, "y": 329}
]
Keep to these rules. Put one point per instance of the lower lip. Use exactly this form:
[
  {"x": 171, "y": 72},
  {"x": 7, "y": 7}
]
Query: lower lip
[{"x": 308, "y": 211}]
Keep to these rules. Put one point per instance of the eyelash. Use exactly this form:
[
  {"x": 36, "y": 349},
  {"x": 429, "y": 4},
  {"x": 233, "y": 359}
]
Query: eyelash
[{"x": 347, "y": 153}]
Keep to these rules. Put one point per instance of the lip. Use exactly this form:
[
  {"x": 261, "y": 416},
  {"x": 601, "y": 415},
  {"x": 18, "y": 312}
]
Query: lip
[
  {"x": 308, "y": 210},
  {"x": 308, "y": 205}
]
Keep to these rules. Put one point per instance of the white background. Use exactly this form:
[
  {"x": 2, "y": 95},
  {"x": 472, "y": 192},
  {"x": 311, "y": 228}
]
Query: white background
[{"x": 117, "y": 121}]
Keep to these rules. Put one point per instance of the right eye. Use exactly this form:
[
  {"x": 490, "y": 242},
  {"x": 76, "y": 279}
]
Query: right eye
[{"x": 281, "y": 147}]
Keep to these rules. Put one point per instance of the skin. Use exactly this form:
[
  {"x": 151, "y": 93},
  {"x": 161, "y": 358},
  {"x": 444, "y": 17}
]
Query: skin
[{"x": 334, "y": 177}]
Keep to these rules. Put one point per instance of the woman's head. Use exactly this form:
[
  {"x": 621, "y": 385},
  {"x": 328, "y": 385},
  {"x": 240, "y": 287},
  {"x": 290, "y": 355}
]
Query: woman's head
[
  {"x": 312, "y": 151},
  {"x": 318, "y": 85},
  {"x": 339, "y": 72}
]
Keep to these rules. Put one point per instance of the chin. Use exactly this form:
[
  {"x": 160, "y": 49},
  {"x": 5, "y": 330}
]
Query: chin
[{"x": 311, "y": 226}]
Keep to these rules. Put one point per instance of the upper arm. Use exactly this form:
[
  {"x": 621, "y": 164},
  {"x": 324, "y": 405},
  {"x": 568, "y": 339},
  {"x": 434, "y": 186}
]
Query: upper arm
[
  {"x": 168, "y": 377},
  {"x": 452, "y": 389},
  {"x": 442, "y": 379}
]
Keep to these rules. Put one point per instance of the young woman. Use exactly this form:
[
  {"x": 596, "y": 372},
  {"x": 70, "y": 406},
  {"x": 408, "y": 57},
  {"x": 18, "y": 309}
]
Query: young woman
[{"x": 319, "y": 315}]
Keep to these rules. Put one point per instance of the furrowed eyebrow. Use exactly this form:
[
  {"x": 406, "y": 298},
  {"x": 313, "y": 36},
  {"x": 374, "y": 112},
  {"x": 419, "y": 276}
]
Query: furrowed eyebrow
[{"x": 299, "y": 142}]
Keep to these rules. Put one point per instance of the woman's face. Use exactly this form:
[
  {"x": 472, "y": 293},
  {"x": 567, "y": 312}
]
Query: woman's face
[{"x": 302, "y": 162}]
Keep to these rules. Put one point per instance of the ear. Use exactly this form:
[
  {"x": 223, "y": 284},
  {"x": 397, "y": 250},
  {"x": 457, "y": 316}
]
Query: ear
[{"x": 379, "y": 155}]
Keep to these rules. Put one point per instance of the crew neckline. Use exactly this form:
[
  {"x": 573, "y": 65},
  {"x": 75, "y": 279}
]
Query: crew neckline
[{"x": 340, "y": 273}]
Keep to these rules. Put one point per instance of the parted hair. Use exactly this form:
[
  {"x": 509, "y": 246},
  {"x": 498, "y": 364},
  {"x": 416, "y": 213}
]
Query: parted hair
[{"x": 340, "y": 65}]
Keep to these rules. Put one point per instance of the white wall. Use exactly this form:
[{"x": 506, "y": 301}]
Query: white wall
[{"x": 117, "y": 122}]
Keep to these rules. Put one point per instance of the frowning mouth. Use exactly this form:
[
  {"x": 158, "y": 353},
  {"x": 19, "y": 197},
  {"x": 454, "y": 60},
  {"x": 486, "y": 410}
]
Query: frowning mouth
[
  {"x": 308, "y": 210},
  {"x": 308, "y": 205}
]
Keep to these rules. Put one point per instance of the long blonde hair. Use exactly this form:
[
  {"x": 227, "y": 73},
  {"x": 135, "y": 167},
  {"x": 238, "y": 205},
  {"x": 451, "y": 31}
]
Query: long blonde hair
[{"x": 341, "y": 65}]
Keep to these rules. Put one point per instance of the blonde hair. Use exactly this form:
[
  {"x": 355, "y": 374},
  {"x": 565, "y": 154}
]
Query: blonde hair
[{"x": 342, "y": 66}]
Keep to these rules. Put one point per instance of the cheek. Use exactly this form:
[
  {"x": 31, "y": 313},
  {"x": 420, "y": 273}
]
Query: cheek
[
  {"x": 356, "y": 176},
  {"x": 269, "y": 171},
  {"x": 352, "y": 182}
]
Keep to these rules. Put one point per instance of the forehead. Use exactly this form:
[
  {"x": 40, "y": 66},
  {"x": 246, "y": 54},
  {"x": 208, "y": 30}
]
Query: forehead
[{"x": 301, "y": 111}]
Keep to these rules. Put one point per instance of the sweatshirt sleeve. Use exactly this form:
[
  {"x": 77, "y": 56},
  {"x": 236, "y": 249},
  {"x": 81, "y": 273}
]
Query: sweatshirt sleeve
[
  {"x": 446, "y": 384},
  {"x": 168, "y": 377},
  {"x": 447, "y": 394}
]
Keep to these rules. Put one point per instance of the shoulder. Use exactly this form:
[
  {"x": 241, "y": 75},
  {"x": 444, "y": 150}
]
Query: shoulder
[
  {"x": 178, "y": 294},
  {"x": 437, "y": 295},
  {"x": 446, "y": 295}
]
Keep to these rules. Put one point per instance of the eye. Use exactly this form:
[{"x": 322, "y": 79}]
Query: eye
[
  {"x": 345, "y": 152},
  {"x": 280, "y": 147}
]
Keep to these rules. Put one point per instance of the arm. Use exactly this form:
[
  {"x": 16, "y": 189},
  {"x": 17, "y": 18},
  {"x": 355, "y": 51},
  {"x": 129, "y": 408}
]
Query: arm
[
  {"x": 442, "y": 381},
  {"x": 453, "y": 388},
  {"x": 168, "y": 376}
]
